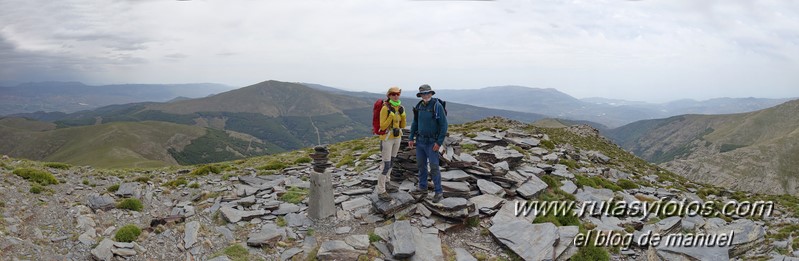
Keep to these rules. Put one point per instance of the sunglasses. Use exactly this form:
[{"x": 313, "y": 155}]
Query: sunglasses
[{"x": 393, "y": 94}]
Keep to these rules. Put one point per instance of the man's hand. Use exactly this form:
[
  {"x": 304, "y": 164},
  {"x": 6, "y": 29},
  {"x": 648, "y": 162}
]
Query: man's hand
[
  {"x": 436, "y": 147},
  {"x": 411, "y": 144}
]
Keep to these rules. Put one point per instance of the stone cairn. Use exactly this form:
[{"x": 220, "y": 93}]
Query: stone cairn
[
  {"x": 319, "y": 157},
  {"x": 321, "y": 204}
]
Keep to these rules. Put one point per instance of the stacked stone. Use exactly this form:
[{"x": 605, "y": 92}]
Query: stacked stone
[
  {"x": 405, "y": 165},
  {"x": 319, "y": 157}
]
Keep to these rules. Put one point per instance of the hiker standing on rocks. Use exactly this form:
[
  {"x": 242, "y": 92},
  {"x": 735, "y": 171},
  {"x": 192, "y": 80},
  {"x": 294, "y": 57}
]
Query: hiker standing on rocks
[
  {"x": 392, "y": 120},
  {"x": 428, "y": 130}
]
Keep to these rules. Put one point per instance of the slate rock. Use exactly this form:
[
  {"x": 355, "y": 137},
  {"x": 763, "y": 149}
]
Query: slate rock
[{"x": 337, "y": 250}]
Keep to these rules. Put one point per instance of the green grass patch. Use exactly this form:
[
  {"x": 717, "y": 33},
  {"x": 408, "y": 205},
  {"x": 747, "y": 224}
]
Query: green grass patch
[
  {"x": 131, "y": 204},
  {"x": 36, "y": 188},
  {"x": 591, "y": 253},
  {"x": 235, "y": 252},
  {"x": 346, "y": 160},
  {"x": 57, "y": 165},
  {"x": 142, "y": 179},
  {"x": 569, "y": 163},
  {"x": 595, "y": 182},
  {"x": 303, "y": 160},
  {"x": 128, "y": 233},
  {"x": 548, "y": 144},
  {"x": 176, "y": 182},
  {"x": 273, "y": 165},
  {"x": 468, "y": 147},
  {"x": 113, "y": 188},
  {"x": 294, "y": 195},
  {"x": 37, "y": 176},
  {"x": 194, "y": 185},
  {"x": 281, "y": 222},
  {"x": 627, "y": 184},
  {"x": 206, "y": 169},
  {"x": 374, "y": 237}
]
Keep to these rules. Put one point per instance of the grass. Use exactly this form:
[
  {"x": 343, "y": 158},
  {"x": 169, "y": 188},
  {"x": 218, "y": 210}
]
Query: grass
[
  {"x": 57, "y": 165},
  {"x": 595, "y": 182},
  {"x": 37, "y": 176},
  {"x": 374, "y": 237},
  {"x": 294, "y": 195},
  {"x": 128, "y": 233},
  {"x": 627, "y": 184},
  {"x": 281, "y": 222},
  {"x": 468, "y": 147},
  {"x": 36, "y": 188},
  {"x": 131, "y": 204},
  {"x": 194, "y": 185},
  {"x": 206, "y": 169},
  {"x": 176, "y": 182},
  {"x": 303, "y": 160},
  {"x": 113, "y": 188},
  {"x": 346, "y": 160},
  {"x": 273, "y": 165}
]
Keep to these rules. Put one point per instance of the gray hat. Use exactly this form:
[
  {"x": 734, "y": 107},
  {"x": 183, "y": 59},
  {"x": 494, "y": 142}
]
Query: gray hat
[{"x": 425, "y": 89}]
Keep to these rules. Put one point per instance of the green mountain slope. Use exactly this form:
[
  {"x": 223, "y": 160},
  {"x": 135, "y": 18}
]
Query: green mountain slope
[
  {"x": 756, "y": 151},
  {"x": 125, "y": 144}
]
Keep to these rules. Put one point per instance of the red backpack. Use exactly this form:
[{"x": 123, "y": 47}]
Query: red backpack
[{"x": 376, "y": 116}]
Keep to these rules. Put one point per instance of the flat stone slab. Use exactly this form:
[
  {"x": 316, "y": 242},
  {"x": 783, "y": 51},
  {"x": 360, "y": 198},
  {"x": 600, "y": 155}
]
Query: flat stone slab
[
  {"x": 455, "y": 175},
  {"x": 356, "y": 203},
  {"x": 104, "y": 202},
  {"x": 269, "y": 235},
  {"x": 401, "y": 200},
  {"x": 191, "y": 233},
  {"x": 531, "y": 188},
  {"x": 455, "y": 186},
  {"x": 428, "y": 246},
  {"x": 355, "y": 192},
  {"x": 128, "y": 189},
  {"x": 286, "y": 208},
  {"x": 569, "y": 187},
  {"x": 234, "y": 215},
  {"x": 338, "y": 250},
  {"x": 402, "y": 244},
  {"x": 488, "y": 187},
  {"x": 529, "y": 241},
  {"x": 507, "y": 213},
  {"x": 487, "y": 202},
  {"x": 298, "y": 220}
]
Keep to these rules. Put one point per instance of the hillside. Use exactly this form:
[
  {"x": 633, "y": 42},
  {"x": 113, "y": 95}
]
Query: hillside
[
  {"x": 753, "y": 151},
  {"x": 258, "y": 208},
  {"x": 124, "y": 144},
  {"x": 74, "y": 96}
]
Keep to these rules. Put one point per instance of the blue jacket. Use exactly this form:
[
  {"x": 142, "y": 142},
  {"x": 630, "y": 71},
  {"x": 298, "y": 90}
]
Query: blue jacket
[{"x": 431, "y": 123}]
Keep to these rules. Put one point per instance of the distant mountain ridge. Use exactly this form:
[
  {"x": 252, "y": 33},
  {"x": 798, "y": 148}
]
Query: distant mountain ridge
[
  {"x": 610, "y": 112},
  {"x": 76, "y": 96},
  {"x": 756, "y": 151},
  {"x": 263, "y": 118}
]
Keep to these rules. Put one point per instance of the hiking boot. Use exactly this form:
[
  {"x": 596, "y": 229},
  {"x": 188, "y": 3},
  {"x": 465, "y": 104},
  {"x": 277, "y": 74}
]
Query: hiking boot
[
  {"x": 438, "y": 197},
  {"x": 384, "y": 196}
]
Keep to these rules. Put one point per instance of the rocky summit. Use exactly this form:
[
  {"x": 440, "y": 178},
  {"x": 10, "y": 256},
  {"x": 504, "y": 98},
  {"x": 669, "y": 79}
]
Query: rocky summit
[{"x": 257, "y": 209}]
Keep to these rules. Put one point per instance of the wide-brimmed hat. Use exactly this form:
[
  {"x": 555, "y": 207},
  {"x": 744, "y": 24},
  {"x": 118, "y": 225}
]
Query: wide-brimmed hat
[
  {"x": 425, "y": 89},
  {"x": 393, "y": 89}
]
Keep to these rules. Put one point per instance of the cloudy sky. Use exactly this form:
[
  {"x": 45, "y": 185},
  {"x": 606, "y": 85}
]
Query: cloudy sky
[{"x": 636, "y": 50}]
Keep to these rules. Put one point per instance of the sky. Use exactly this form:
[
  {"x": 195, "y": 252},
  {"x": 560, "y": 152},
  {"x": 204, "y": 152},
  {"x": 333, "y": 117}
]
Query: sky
[{"x": 643, "y": 50}]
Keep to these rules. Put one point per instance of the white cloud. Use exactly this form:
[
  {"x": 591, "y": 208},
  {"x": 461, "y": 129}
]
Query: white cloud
[{"x": 641, "y": 50}]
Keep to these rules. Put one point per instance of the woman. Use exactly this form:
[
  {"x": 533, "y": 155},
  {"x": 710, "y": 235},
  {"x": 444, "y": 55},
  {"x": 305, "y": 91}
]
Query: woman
[{"x": 392, "y": 120}]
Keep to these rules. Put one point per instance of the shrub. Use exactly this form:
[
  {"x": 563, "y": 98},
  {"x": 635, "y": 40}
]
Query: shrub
[
  {"x": 374, "y": 237},
  {"x": 591, "y": 253},
  {"x": 303, "y": 160},
  {"x": 205, "y": 169},
  {"x": 131, "y": 204},
  {"x": 548, "y": 144},
  {"x": 36, "y": 188},
  {"x": 177, "y": 182},
  {"x": 235, "y": 252},
  {"x": 281, "y": 222},
  {"x": 57, "y": 165},
  {"x": 113, "y": 188},
  {"x": 128, "y": 233},
  {"x": 35, "y": 175},
  {"x": 273, "y": 165},
  {"x": 194, "y": 185},
  {"x": 627, "y": 184}
]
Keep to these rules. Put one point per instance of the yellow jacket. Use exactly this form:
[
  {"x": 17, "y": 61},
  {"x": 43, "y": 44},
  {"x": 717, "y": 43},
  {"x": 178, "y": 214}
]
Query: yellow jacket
[{"x": 389, "y": 121}]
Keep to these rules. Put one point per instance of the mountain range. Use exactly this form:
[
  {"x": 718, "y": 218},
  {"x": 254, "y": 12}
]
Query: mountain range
[
  {"x": 75, "y": 96},
  {"x": 755, "y": 151},
  {"x": 609, "y": 112},
  {"x": 264, "y": 118}
]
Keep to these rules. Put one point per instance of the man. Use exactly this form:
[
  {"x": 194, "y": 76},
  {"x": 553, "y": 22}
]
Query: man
[{"x": 428, "y": 130}]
